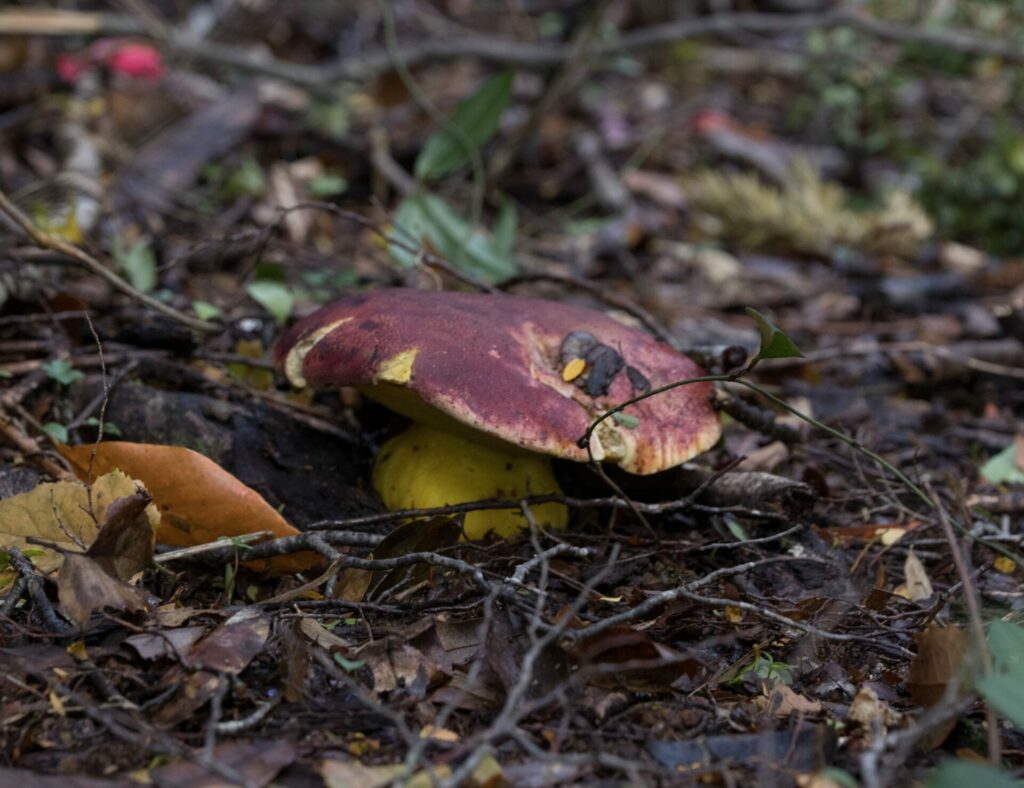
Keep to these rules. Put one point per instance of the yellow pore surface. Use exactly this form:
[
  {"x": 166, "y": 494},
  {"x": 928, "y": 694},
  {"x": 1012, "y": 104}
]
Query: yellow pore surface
[{"x": 426, "y": 467}]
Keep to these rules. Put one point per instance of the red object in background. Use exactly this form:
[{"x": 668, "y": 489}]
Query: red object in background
[{"x": 121, "y": 56}]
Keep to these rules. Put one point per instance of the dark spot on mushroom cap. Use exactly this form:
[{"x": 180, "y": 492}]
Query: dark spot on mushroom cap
[
  {"x": 604, "y": 363},
  {"x": 369, "y": 325},
  {"x": 575, "y": 345},
  {"x": 640, "y": 383}
]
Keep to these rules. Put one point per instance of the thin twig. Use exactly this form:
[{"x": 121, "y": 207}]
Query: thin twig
[
  {"x": 977, "y": 624},
  {"x": 52, "y": 242}
]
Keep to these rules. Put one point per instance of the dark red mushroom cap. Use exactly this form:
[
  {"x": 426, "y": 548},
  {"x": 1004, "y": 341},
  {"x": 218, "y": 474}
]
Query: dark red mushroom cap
[{"x": 498, "y": 363}]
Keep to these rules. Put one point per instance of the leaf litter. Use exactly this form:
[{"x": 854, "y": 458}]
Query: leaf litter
[{"x": 785, "y": 609}]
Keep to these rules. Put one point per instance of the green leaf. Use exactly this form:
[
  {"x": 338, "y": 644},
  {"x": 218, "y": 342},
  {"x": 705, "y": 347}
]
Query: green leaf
[
  {"x": 328, "y": 184},
  {"x": 272, "y": 296},
  {"x": 1005, "y": 691},
  {"x": 1006, "y": 644},
  {"x": 246, "y": 181},
  {"x": 428, "y": 218},
  {"x": 56, "y": 431},
  {"x": 627, "y": 420},
  {"x": 349, "y": 664},
  {"x": 1002, "y": 468},
  {"x": 109, "y": 428},
  {"x": 774, "y": 343},
  {"x": 476, "y": 118},
  {"x": 60, "y": 369},
  {"x": 205, "y": 310},
  {"x": 1004, "y": 688},
  {"x": 736, "y": 529},
  {"x": 837, "y": 776},
  {"x": 137, "y": 263},
  {"x": 505, "y": 228},
  {"x": 957, "y": 774}
]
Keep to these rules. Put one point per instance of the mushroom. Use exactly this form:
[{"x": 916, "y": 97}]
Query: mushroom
[{"x": 497, "y": 385}]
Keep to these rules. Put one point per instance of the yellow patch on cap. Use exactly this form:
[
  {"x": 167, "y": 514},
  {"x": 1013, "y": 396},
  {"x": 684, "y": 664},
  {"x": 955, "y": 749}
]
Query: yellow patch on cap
[
  {"x": 293, "y": 361},
  {"x": 573, "y": 369},
  {"x": 398, "y": 368}
]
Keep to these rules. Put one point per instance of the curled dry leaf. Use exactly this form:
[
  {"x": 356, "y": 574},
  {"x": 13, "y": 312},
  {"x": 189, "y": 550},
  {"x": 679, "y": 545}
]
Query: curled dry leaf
[
  {"x": 58, "y": 513},
  {"x": 122, "y": 549},
  {"x": 199, "y": 501},
  {"x": 83, "y": 586}
]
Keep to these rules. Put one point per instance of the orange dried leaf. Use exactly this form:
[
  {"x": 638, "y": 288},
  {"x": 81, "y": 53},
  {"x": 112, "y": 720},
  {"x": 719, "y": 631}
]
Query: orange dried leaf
[{"x": 199, "y": 501}]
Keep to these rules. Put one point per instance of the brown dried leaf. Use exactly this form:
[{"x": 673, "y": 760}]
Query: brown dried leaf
[
  {"x": 169, "y": 642},
  {"x": 233, "y": 645},
  {"x": 124, "y": 545},
  {"x": 784, "y": 701},
  {"x": 323, "y": 637},
  {"x": 83, "y": 586},
  {"x": 642, "y": 661},
  {"x": 58, "y": 513},
  {"x": 258, "y": 761},
  {"x": 394, "y": 663},
  {"x": 199, "y": 501}
]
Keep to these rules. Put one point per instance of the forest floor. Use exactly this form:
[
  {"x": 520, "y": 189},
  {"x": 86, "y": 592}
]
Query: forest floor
[{"x": 829, "y": 596}]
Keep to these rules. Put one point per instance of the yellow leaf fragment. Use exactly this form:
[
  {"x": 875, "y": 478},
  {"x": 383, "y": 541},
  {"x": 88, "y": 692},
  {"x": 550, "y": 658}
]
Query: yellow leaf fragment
[
  {"x": 59, "y": 513},
  {"x": 438, "y": 734},
  {"x": 56, "y": 703},
  {"x": 1005, "y": 565},
  {"x": 573, "y": 369}
]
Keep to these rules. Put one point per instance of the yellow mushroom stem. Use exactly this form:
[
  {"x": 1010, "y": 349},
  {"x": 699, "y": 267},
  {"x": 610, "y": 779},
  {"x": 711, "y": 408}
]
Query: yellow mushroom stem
[{"x": 426, "y": 467}]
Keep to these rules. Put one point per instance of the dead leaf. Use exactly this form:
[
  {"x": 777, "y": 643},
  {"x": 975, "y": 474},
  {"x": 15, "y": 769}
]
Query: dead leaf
[
  {"x": 199, "y": 501},
  {"x": 439, "y": 734},
  {"x": 918, "y": 584},
  {"x": 394, "y": 663},
  {"x": 192, "y": 691},
  {"x": 784, "y": 701},
  {"x": 345, "y": 774},
  {"x": 168, "y": 643},
  {"x": 643, "y": 663},
  {"x": 233, "y": 645},
  {"x": 323, "y": 637},
  {"x": 58, "y": 513},
  {"x": 417, "y": 536},
  {"x": 98, "y": 578},
  {"x": 258, "y": 761},
  {"x": 124, "y": 545},
  {"x": 766, "y": 459},
  {"x": 871, "y": 712},
  {"x": 83, "y": 586}
]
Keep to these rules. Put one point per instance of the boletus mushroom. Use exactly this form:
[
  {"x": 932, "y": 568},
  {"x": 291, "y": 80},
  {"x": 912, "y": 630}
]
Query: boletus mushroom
[{"x": 497, "y": 385}]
